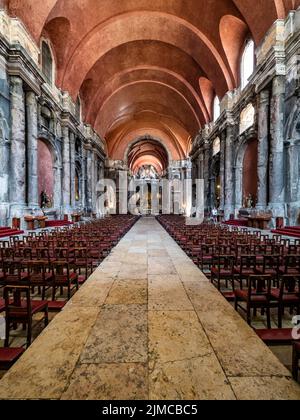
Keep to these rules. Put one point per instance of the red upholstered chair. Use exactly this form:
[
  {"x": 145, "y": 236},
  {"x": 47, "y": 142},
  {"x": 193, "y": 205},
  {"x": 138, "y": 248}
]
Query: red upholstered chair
[
  {"x": 38, "y": 276},
  {"x": 20, "y": 309},
  {"x": 9, "y": 356},
  {"x": 296, "y": 359},
  {"x": 246, "y": 268},
  {"x": 64, "y": 276},
  {"x": 291, "y": 265},
  {"x": 256, "y": 297},
  {"x": 270, "y": 266},
  {"x": 2, "y": 305},
  {"x": 83, "y": 263},
  {"x": 287, "y": 296},
  {"x": 14, "y": 273},
  {"x": 206, "y": 256},
  {"x": 223, "y": 270}
]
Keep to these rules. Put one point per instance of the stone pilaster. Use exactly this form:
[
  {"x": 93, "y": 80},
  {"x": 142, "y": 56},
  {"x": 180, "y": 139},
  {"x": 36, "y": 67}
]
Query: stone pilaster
[
  {"x": 263, "y": 149},
  {"x": 206, "y": 175},
  {"x": 229, "y": 188},
  {"x": 4, "y": 169},
  {"x": 32, "y": 149},
  {"x": 83, "y": 178},
  {"x": 66, "y": 184},
  {"x": 200, "y": 166},
  {"x": 17, "y": 181},
  {"x": 222, "y": 170},
  {"x": 94, "y": 179},
  {"x": 276, "y": 174},
  {"x": 72, "y": 169},
  {"x": 89, "y": 184}
]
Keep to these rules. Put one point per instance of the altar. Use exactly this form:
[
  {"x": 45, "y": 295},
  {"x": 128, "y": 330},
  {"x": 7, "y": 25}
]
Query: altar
[{"x": 259, "y": 222}]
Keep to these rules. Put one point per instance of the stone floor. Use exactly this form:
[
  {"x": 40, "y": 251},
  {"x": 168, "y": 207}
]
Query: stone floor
[{"x": 148, "y": 325}]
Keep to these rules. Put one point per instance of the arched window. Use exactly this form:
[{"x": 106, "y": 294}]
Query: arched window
[
  {"x": 247, "y": 63},
  {"x": 78, "y": 108},
  {"x": 217, "y": 108},
  {"x": 47, "y": 62}
]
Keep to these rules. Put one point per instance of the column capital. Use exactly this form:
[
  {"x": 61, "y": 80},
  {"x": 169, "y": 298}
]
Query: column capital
[
  {"x": 264, "y": 97},
  {"x": 16, "y": 85},
  {"x": 72, "y": 137}
]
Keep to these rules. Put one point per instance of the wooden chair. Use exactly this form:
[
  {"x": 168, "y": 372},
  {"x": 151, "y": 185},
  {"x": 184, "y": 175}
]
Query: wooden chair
[
  {"x": 296, "y": 359},
  {"x": 270, "y": 266},
  {"x": 287, "y": 296},
  {"x": 9, "y": 356},
  {"x": 64, "y": 276},
  {"x": 206, "y": 256},
  {"x": 19, "y": 310},
  {"x": 256, "y": 297},
  {"x": 2, "y": 305},
  {"x": 83, "y": 263},
  {"x": 291, "y": 265},
  {"x": 223, "y": 270},
  {"x": 39, "y": 277},
  {"x": 246, "y": 268}
]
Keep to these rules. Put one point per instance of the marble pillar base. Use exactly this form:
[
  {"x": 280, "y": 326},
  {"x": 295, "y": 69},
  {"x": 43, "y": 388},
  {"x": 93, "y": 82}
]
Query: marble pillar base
[
  {"x": 278, "y": 210},
  {"x": 227, "y": 212},
  {"x": 293, "y": 213},
  {"x": 4, "y": 214},
  {"x": 19, "y": 211}
]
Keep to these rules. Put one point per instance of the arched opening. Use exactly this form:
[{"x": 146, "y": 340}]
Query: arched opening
[
  {"x": 78, "y": 108},
  {"x": 216, "y": 108},
  {"x": 47, "y": 62},
  {"x": 77, "y": 185},
  {"x": 216, "y": 174},
  {"x": 45, "y": 175},
  {"x": 250, "y": 177},
  {"x": 247, "y": 63}
]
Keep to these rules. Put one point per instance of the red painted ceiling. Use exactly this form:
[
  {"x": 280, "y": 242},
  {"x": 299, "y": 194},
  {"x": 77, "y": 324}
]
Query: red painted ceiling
[{"x": 148, "y": 67}]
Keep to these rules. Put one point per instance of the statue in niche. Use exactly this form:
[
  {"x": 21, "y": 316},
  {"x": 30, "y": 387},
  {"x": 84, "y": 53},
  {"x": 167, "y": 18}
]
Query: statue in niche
[{"x": 46, "y": 201}]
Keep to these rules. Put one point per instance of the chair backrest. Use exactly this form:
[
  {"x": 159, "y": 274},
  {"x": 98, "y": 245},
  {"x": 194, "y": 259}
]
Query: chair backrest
[
  {"x": 248, "y": 261},
  {"x": 15, "y": 305},
  {"x": 14, "y": 273},
  {"x": 271, "y": 262},
  {"x": 36, "y": 272},
  {"x": 259, "y": 285},
  {"x": 292, "y": 262},
  {"x": 289, "y": 285}
]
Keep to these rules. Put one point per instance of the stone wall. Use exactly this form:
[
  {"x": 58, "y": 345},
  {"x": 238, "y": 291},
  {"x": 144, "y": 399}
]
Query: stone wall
[
  {"x": 273, "y": 92},
  {"x": 31, "y": 109}
]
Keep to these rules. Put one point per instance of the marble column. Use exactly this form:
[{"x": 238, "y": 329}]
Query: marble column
[
  {"x": 83, "y": 178},
  {"x": 17, "y": 181},
  {"x": 222, "y": 171},
  {"x": 229, "y": 188},
  {"x": 32, "y": 149},
  {"x": 89, "y": 183},
  {"x": 199, "y": 166},
  {"x": 4, "y": 169},
  {"x": 276, "y": 173},
  {"x": 206, "y": 175},
  {"x": 292, "y": 147},
  {"x": 73, "y": 171},
  {"x": 66, "y": 171},
  {"x": 94, "y": 179},
  {"x": 263, "y": 149},
  {"x": 58, "y": 196}
]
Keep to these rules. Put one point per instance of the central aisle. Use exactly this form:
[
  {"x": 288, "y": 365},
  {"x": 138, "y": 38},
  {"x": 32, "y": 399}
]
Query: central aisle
[{"x": 148, "y": 325}]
